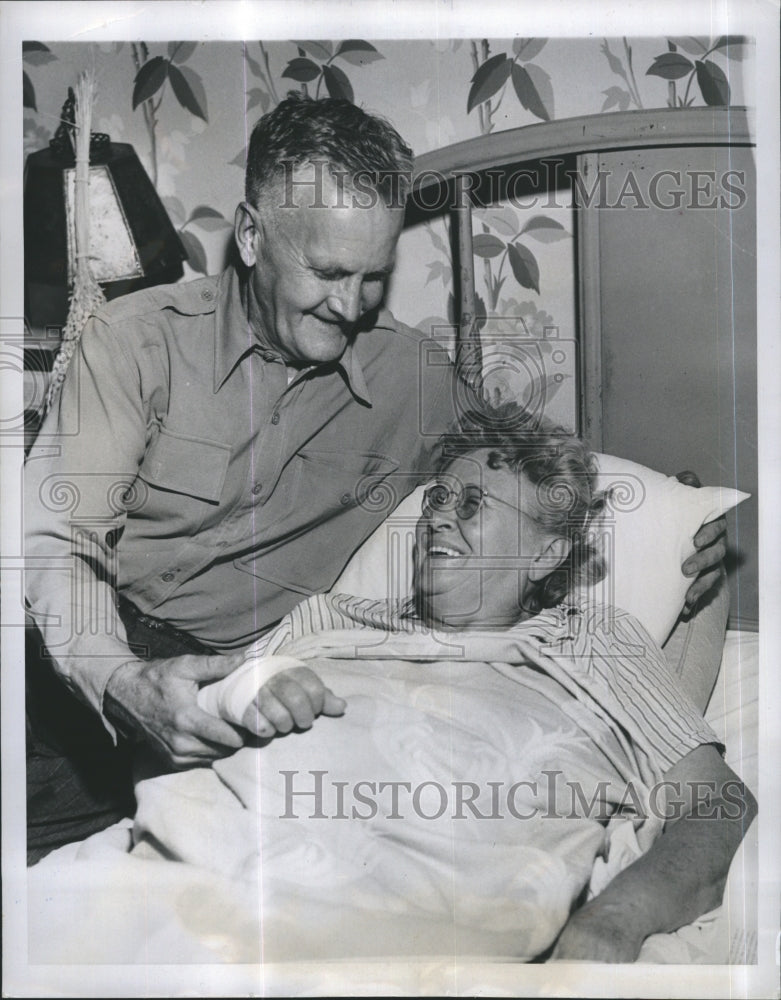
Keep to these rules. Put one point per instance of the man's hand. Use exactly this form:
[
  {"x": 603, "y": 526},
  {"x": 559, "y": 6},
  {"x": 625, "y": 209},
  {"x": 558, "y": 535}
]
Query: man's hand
[
  {"x": 292, "y": 698},
  {"x": 158, "y": 699},
  {"x": 596, "y": 933},
  {"x": 711, "y": 544},
  {"x": 705, "y": 564},
  {"x": 680, "y": 877}
]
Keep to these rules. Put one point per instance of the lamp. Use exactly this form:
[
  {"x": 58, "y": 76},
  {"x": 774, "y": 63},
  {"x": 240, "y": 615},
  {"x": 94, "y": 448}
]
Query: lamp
[{"x": 133, "y": 243}]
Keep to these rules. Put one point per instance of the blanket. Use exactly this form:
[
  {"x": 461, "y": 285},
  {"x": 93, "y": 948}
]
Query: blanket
[{"x": 457, "y": 808}]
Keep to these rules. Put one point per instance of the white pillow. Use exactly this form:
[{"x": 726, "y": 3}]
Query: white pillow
[
  {"x": 647, "y": 531},
  {"x": 649, "y": 527}
]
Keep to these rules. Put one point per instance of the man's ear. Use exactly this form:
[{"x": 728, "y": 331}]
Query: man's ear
[
  {"x": 551, "y": 555},
  {"x": 247, "y": 233}
]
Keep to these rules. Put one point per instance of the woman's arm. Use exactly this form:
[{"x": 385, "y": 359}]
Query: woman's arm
[
  {"x": 681, "y": 877},
  {"x": 270, "y": 694}
]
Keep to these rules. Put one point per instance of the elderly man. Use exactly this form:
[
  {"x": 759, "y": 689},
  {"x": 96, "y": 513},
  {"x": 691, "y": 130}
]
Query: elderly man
[{"x": 213, "y": 443}]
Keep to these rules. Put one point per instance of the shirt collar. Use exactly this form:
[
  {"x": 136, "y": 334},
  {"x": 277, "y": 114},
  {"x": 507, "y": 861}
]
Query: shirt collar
[
  {"x": 353, "y": 373},
  {"x": 351, "y": 365},
  {"x": 235, "y": 339}
]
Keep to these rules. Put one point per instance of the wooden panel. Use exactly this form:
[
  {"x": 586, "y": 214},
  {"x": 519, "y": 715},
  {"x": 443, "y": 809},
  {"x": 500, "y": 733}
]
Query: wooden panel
[
  {"x": 589, "y": 306},
  {"x": 676, "y": 329},
  {"x": 620, "y": 130},
  {"x": 667, "y": 295},
  {"x": 468, "y": 353}
]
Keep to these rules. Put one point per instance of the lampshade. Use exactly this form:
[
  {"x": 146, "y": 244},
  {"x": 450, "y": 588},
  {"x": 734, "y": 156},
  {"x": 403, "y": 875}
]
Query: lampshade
[{"x": 133, "y": 243}]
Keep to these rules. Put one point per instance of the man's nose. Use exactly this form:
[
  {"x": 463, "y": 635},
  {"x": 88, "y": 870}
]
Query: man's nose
[{"x": 344, "y": 301}]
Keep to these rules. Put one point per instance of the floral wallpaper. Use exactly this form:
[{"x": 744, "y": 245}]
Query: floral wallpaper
[{"x": 188, "y": 109}]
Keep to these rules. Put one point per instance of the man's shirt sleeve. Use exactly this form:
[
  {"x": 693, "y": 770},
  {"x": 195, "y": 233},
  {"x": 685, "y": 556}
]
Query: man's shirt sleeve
[{"x": 79, "y": 478}]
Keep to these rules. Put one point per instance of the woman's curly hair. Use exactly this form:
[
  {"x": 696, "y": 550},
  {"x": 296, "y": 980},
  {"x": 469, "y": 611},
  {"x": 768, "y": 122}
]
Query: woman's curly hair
[{"x": 563, "y": 471}]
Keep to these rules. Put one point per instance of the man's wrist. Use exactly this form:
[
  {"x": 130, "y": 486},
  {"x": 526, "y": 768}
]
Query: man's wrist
[{"x": 626, "y": 926}]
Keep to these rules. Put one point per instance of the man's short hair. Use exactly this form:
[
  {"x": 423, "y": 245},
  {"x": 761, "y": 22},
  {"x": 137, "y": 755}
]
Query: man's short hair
[{"x": 336, "y": 133}]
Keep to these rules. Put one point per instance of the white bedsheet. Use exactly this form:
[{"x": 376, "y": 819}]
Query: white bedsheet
[{"x": 94, "y": 902}]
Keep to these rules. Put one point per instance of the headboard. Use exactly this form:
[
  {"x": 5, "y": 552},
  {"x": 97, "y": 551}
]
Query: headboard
[{"x": 665, "y": 285}]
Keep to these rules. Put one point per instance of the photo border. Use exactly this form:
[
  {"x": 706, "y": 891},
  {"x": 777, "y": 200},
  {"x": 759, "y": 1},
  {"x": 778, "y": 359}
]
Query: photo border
[{"x": 214, "y": 20}]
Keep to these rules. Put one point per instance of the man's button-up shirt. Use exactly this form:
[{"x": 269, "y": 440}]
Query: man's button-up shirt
[{"x": 215, "y": 487}]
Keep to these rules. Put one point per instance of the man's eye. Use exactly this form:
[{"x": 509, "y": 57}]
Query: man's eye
[{"x": 369, "y": 279}]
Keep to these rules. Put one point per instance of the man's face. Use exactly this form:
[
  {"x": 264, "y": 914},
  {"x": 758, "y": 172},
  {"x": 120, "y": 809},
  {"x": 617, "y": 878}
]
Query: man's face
[{"x": 317, "y": 271}]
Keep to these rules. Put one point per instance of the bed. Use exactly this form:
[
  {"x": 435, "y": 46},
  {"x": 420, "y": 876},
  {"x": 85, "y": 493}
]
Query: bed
[
  {"x": 119, "y": 897},
  {"x": 103, "y": 901},
  {"x": 96, "y": 902}
]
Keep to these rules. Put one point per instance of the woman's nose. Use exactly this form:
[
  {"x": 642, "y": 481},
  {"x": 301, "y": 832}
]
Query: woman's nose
[
  {"x": 344, "y": 301},
  {"x": 441, "y": 519}
]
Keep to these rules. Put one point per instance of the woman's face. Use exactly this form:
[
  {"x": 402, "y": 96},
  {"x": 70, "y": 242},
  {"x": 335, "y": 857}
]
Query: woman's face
[{"x": 478, "y": 570}]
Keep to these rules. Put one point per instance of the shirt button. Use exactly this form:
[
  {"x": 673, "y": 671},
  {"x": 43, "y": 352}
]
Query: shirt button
[
  {"x": 168, "y": 577},
  {"x": 345, "y": 499},
  {"x": 207, "y": 294},
  {"x": 257, "y": 489},
  {"x": 275, "y": 419}
]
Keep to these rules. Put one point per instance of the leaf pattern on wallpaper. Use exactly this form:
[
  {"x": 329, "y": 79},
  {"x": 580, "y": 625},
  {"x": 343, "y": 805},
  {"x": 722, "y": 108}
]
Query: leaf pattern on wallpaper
[
  {"x": 203, "y": 216},
  {"x": 530, "y": 83},
  {"x": 489, "y": 78},
  {"x": 186, "y": 85},
  {"x": 504, "y": 246},
  {"x": 517, "y": 82},
  {"x": 34, "y": 54},
  {"x": 621, "y": 97},
  {"x": 265, "y": 94},
  {"x": 536, "y": 322},
  {"x": 442, "y": 267},
  {"x": 615, "y": 97},
  {"x": 674, "y": 67},
  {"x": 28, "y": 92},
  {"x": 519, "y": 357},
  {"x": 35, "y": 136},
  {"x": 439, "y": 327},
  {"x": 313, "y": 66},
  {"x": 206, "y": 218},
  {"x": 152, "y": 74}
]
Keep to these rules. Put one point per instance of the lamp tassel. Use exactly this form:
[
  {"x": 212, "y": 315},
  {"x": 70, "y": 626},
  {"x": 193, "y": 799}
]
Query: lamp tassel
[{"x": 86, "y": 295}]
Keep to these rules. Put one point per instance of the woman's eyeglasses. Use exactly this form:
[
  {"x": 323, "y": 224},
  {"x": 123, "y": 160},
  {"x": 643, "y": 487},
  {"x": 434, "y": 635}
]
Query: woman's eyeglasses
[{"x": 466, "y": 501}]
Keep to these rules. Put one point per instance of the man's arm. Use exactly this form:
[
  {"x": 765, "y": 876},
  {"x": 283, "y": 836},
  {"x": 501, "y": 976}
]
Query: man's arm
[
  {"x": 682, "y": 875},
  {"x": 86, "y": 458}
]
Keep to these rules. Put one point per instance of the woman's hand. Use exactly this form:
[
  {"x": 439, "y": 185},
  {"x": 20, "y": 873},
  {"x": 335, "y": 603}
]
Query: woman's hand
[{"x": 293, "y": 698}]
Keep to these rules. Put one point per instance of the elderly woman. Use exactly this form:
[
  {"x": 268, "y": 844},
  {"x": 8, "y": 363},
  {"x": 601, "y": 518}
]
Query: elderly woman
[
  {"x": 496, "y": 752},
  {"x": 493, "y": 695}
]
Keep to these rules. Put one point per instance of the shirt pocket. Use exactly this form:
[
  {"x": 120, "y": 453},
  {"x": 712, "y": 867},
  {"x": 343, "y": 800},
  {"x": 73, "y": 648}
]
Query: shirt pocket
[
  {"x": 339, "y": 499},
  {"x": 185, "y": 477},
  {"x": 329, "y": 481}
]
